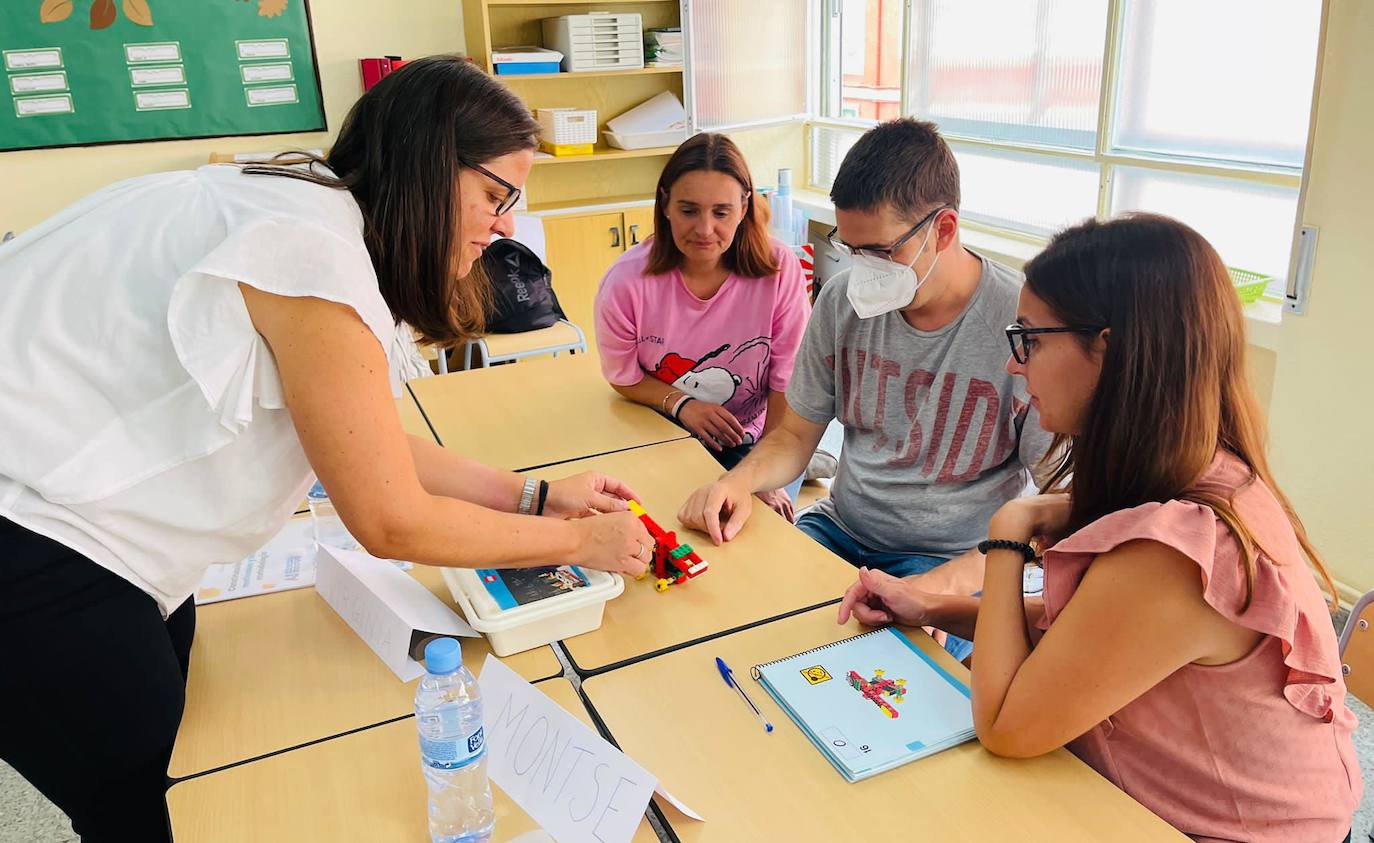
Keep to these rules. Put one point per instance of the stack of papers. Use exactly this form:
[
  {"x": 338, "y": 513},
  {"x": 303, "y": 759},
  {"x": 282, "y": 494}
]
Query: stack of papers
[{"x": 663, "y": 47}]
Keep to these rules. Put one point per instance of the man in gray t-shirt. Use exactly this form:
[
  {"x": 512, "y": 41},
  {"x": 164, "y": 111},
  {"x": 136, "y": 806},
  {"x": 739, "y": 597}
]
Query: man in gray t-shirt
[
  {"x": 937, "y": 435},
  {"x": 907, "y": 350}
]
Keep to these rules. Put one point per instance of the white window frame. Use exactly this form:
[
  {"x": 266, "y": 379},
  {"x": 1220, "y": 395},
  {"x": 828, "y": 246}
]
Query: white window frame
[{"x": 1105, "y": 156}]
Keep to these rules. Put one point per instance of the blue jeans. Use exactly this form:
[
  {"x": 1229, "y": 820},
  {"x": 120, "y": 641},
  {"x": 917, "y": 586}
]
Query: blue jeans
[{"x": 829, "y": 535}]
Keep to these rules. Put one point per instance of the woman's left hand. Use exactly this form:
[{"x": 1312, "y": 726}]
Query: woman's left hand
[
  {"x": 1040, "y": 517},
  {"x": 585, "y": 494}
]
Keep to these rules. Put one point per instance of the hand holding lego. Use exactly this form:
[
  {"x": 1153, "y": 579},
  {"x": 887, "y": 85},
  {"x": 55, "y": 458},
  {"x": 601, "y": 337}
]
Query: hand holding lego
[
  {"x": 586, "y": 494},
  {"x": 703, "y": 510},
  {"x": 712, "y": 424},
  {"x": 780, "y": 502},
  {"x": 879, "y": 598},
  {"x": 617, "y": 542}
]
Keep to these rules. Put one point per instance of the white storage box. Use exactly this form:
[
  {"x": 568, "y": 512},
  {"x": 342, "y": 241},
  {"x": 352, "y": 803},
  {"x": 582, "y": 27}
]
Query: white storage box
[
  {"x": 645, "y": 140},
  {"x": 523, "y": 608},
  {"x": 563, "y": 126},
  {"x": 658, "y": 121},
  {"x": 597, "y": 41}
]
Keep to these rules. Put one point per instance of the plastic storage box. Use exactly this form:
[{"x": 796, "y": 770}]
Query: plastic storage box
[
  {"x": 1249, "y": 285},
  {"x": 597, "y": 41},
  {"x": 520, "y": 609},
  {"x": 567, "y": 131},
  {"x": 522, "y": 61},
  {"x": 645, "y": 140}
]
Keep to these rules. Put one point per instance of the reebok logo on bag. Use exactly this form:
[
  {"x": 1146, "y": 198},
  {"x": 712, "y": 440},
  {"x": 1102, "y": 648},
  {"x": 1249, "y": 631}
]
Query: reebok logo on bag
[{"x": 524, "y": 299}]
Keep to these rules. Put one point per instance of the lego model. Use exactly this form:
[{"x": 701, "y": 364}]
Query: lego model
[
  {"x": 874, "y": 689},
  {"x": 673, "y": 563}
]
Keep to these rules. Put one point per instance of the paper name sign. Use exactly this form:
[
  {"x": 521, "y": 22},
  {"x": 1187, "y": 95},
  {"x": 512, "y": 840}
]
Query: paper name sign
[
  {"x": 563, "y": 774},
  {"x": 389, "y": 609}
]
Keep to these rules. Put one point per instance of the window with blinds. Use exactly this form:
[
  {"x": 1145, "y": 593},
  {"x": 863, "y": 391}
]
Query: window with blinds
[
  {"x": 1068, "y": 109},
  {"x": 749, "y": 61}
]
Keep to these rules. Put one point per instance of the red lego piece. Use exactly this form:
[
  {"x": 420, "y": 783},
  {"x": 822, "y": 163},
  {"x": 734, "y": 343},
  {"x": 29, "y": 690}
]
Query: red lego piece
[{"x": 666, "y": 569}]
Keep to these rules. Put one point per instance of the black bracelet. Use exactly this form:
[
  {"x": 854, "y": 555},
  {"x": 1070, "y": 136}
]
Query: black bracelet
[
  {"x": 1003, "y": 544},
  {"x": 543, "y": 495},
  {"x": 677, "y": 411}
]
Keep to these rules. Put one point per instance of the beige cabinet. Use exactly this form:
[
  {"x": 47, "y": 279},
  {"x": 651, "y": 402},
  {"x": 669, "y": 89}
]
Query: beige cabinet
[{"x": 581, "y": 247}]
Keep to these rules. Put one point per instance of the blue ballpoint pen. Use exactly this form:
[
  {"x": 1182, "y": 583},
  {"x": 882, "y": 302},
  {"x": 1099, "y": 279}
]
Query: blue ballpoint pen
[{"x": 729, "y": 676}]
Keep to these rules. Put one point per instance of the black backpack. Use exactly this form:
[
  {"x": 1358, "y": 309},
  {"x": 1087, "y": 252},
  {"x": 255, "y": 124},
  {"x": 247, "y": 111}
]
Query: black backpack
[{"x": 524, "y": 298}]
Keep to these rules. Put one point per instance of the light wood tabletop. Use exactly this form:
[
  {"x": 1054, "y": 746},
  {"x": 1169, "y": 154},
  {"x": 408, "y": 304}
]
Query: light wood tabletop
[
  {"x": 537, "y": 412},
  {"x": 279, "y": 670},
  {"x": 360, "y": 787},
  {"x": 770, "y": 569},
  {"x": 707, "y": 748},
  {"x": 412, "y": 420}
]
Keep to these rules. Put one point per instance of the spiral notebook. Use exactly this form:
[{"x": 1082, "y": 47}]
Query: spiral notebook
[{"x": 871, "y": 702}]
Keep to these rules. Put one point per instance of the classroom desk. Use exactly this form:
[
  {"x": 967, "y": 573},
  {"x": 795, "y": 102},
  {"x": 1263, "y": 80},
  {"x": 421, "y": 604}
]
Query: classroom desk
[
  {"x": 279, "y": 670},
  {"x": 770, "y": 569},
  {"x": 412, "y": 420},
  {"x": 536, "y": 413},
  {"x": 707, "y": 748},
  {"x": 360, "y": 787}
]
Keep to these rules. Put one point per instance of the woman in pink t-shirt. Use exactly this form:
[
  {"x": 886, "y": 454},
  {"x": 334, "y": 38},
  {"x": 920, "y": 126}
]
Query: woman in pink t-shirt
[
  {"x": 702, "y": 321},
  {"x": 1188, "y": 653}
]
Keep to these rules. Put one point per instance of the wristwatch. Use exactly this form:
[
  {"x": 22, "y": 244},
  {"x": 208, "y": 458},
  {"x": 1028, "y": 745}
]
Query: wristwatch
[{"x": 527, "y": 496}]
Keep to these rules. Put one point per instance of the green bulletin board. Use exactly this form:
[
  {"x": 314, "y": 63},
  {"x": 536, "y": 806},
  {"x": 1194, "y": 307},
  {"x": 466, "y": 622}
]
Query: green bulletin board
[{"x": 109, "y": 71}]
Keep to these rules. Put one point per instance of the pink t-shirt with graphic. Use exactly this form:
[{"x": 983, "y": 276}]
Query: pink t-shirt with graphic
[{"x": 732, "y": 349}]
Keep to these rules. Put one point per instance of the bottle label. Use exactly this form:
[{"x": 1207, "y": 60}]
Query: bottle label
[{"x": 449, "y": 752}]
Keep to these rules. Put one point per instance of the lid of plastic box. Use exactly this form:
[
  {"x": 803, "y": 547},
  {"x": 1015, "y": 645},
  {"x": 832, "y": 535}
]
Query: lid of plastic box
[
  {"x": 495, "y": 600},
  {"x": 524, "y": 54}
]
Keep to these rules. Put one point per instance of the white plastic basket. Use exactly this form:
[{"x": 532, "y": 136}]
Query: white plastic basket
[
  {"x": 568, "y": 125},
  {"x": 524, "y": 627}
]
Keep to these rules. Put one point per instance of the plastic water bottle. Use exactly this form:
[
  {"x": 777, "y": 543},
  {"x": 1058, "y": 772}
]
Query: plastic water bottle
[
  {"x": 453, "y": 749},
  {"x": 782, "y": 224},
  {"x": 329, "y": 528}
]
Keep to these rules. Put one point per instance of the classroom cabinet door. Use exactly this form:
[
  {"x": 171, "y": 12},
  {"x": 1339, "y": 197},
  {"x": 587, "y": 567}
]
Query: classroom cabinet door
[
  {"x": 639, "y": 225},
  {"x": 580, "y": 250}
]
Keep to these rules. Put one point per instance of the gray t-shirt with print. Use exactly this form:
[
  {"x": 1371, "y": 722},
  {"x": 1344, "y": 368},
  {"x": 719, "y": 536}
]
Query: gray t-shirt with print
[{"x": 937, "y": 435}]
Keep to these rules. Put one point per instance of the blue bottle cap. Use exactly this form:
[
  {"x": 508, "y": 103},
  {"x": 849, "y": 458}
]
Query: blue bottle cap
[
  {"x": 443, "y": 655},
  {"x": 317, "y": 491}
]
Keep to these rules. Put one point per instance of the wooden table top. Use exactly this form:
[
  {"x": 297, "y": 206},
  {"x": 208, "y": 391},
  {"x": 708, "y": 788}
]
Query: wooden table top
[
  {"x": 537, "y": 412},
  {"x": 365, "y": 786},
  {"x": 707, "y": 749},
  {"x": 278, "y": 670},
  {"x": 770, "y": 569}
]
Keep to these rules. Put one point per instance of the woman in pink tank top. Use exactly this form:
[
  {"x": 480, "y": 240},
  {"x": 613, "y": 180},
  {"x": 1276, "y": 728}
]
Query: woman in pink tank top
[{"x": 1188, "y": 653}]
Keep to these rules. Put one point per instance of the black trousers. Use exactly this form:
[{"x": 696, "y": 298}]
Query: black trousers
[{"x": 92, "y": 687}]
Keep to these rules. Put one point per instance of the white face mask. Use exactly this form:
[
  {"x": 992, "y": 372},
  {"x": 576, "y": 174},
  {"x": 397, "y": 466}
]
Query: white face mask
[{"x": 878, "y": 286}]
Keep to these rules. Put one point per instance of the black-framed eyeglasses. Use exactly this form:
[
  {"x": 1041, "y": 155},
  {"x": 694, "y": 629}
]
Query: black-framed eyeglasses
[
  {"x": 884, "y": 253},
  {"x": 512, "y": 192},
  {"x": 1020, "y": 347}
]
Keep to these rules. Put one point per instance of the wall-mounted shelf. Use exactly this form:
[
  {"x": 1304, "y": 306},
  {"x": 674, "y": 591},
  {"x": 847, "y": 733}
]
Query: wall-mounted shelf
[
  {"x": 569, "y": 2},
  {"x": 607, "y": 153},
  {"x": 589, "y": 74}
]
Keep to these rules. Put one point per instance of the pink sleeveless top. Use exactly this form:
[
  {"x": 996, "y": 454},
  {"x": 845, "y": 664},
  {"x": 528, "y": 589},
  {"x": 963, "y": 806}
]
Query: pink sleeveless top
[{"x": 1255, "y": 750}]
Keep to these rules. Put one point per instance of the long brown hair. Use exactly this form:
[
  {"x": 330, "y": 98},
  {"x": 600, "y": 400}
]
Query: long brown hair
[
  {"x": 751, "y": 253},
  {"x": 399, "y": 153},
  {"x": 1173, "y": 387}
]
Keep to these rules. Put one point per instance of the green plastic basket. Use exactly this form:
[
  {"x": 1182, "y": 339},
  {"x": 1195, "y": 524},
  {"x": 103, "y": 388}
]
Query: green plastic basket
[{"x": 1249, "y": 285}]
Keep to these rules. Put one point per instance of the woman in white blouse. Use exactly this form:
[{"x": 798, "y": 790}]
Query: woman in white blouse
[{"x": 182, "y": 352}]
